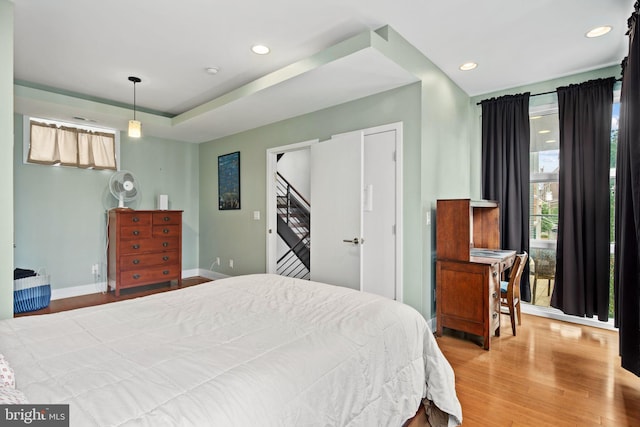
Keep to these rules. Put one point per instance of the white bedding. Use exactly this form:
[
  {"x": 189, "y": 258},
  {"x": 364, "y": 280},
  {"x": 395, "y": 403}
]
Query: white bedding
[{"x": 257, "y": 350}]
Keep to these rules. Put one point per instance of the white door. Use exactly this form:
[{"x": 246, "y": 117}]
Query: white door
[
  {"x": 379, "y": 213},
  {"x": 336, "y": 210}
]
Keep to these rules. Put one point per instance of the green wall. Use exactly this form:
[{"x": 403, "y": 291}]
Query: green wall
[
  {"x": 427, "y": 153},
  {"x": 60, "y": 212},
  {"x": 234, "y": 234},
  {"x": 6, "y": 161}
]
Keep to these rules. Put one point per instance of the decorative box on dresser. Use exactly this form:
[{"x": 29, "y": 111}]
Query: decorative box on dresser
[
  {"x": 144, "y": 247},
  {"x": 469, "y": 264}
]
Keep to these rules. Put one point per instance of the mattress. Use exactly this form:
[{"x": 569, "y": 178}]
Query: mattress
[{"x": 244, "y": 351}]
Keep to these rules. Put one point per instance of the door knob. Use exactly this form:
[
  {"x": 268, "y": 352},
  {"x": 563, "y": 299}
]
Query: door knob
[{"x": 355, "y": 241}]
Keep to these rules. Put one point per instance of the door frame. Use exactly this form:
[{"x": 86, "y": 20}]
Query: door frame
[
  {"x": 271, "y": 230},
  {"x": 272, "y": 225}
]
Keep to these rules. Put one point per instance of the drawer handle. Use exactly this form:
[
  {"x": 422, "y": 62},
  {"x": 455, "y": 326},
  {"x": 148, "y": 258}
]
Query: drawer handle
[
  {"x": 165, "y": 244},
  {"x": 494, "y": 315},
  {"x": 165, "y": 230},
  {"x": 136, "y": 246},
  {"x": 136, "y": 232},
  {"x": 495, "y": 295},
  {"x": 136, "y": 261},
  {"x": 135, "y": 219},
  {"x": 495, "y": 273},
  {"x": 136, "y": 276},
  {"x": 165, "y": 258},
  {"x": 165, "y": 272},
  {"x": 166, "y": 218}
]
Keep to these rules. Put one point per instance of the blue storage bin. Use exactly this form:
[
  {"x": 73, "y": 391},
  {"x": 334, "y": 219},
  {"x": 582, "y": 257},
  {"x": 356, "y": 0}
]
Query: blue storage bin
[{"x": 31, "y": 293}]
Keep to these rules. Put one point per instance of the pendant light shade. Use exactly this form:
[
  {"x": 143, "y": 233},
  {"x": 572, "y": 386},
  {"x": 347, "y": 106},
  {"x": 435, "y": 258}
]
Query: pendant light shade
[{"x": 135, "y": 127}]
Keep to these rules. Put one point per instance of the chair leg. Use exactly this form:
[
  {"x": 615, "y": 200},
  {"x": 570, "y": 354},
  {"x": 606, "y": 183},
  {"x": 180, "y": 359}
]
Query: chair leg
[
  {"x": 548, "y": 287},
  {"x": 535, "y": 285},
  {"x": 512, "y": 315},
  {"x": 518, "y": 313}
]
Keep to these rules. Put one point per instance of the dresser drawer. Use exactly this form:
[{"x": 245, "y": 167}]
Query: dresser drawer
[
  {"x": 149, "y": 245},
  {"x": 134, "y": 218},
  {"x": 138, "y": 261},
  {"x": 149, "y": 275},
  {"x": 161, "y": 231},
  {"x": 160, "y": 218},
  {"x": 135, "y": 232}
]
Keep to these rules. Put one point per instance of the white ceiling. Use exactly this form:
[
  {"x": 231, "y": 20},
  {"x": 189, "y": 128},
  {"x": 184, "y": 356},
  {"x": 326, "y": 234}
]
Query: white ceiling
[{"x": 90, "y": 47}]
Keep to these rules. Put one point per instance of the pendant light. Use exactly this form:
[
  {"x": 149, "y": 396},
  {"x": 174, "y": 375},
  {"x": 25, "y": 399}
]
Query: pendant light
[{"x": 135, "y": 128}]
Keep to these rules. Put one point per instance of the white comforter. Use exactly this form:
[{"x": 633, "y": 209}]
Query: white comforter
[{"x": 258, "y": 350}]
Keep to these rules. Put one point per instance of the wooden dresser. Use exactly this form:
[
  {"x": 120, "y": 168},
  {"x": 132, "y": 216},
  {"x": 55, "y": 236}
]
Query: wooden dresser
[
  {"x": 468, "y": 267},
  {"x": 144, "y": 247}
]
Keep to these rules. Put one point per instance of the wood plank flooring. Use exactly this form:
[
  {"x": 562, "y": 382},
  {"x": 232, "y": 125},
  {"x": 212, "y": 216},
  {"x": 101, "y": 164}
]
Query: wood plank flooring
[
  {"x": 551, "y": 374},
  {"x": 65, "y": 304}
]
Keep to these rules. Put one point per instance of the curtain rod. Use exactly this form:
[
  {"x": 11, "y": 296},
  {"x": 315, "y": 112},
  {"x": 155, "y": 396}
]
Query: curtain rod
[{"x": 543, "y": 93}]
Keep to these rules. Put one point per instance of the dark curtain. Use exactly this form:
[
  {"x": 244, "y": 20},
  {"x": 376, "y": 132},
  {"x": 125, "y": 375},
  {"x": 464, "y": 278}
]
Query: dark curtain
[
  {"x": 582, "y": 257},
  {"x": 627, "y": 208},
  {"x": 505, "y": 170}
]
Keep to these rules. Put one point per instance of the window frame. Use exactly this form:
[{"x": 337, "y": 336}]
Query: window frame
[{"x": 543, "y": 177}]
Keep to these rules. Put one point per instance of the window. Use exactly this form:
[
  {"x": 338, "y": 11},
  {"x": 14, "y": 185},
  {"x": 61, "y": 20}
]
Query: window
[
  {"x": 543, "y": 198},
  {"x": 544, "y": 169},
  {"x": 612, "y": 186},
  {"x": 56, "y": 143},
  {"x": 543, "y": 201}
]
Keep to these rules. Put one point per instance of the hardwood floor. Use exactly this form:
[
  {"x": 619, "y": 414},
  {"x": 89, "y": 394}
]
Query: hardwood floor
[
  {"x": 65, "y": 304},
  {"x": 551, "y": 374}
]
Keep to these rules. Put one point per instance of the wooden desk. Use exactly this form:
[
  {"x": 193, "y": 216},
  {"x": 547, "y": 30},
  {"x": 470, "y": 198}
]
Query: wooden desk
[{"x": 468, "y": 292}]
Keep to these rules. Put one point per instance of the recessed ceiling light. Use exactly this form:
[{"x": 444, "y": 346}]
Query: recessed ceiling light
[
  {"x": 212, "y": 70},
  {"x": 549, "y": 141},
  {"x": 598, "y": 31},
  {"x": 260, "y": 49},
  {"x": 467, "y": 66},
  {"x": 544, "y": 131},
  {"x": 535, "y": 117}
]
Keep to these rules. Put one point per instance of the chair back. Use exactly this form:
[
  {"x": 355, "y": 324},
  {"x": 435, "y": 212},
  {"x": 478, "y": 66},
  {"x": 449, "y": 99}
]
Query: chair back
[{"x": 513, "y": 288}]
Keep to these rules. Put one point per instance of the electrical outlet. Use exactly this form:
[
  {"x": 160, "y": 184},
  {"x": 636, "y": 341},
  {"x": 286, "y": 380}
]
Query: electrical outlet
[
  {"x": 94, "y": 269},
  {"x": 231, "y": 263}
]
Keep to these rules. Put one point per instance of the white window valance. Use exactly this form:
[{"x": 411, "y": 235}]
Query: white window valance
[{"x": 53, "y": 144}]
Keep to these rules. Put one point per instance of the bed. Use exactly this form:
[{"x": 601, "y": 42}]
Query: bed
[{"x": 254, "y": 350}]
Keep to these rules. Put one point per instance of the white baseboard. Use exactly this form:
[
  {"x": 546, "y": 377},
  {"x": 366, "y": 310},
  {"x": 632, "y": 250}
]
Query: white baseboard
[
  {"x": 100, "y": 287},
  {"x": 74, "y": 291},
  {"x": 554, "y": 313}
]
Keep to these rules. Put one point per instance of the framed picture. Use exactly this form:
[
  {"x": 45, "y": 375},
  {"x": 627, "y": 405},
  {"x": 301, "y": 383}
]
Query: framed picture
[{"x": 229, "y": 181}]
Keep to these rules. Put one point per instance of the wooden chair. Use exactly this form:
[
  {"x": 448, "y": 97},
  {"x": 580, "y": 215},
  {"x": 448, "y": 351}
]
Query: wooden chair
[{"x": 510, "y": 291}]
